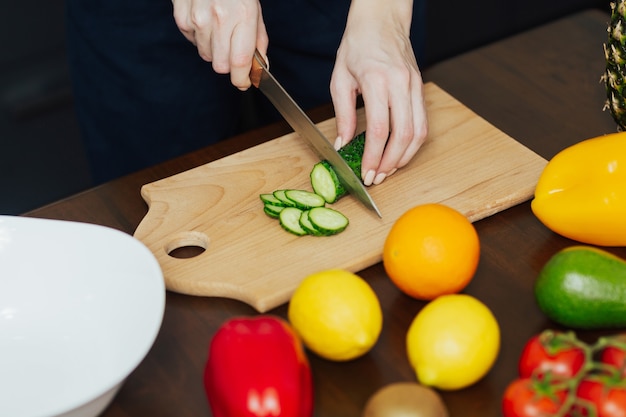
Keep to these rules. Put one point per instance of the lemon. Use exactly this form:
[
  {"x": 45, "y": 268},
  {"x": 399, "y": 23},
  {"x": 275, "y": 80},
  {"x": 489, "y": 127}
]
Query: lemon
[
  {"x": 453, "y": 342},
  {"x": 336, "y": 314}
]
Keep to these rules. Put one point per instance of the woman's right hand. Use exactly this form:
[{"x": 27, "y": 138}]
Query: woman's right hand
[{"x": 226, "y": 33}]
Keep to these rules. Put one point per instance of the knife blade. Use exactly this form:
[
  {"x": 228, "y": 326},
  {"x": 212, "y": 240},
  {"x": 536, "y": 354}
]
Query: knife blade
[{"x": 302, "y": 124}]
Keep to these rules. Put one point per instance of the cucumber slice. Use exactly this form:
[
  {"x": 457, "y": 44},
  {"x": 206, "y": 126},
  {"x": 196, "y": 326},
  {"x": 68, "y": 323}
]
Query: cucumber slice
[
  {"x": 272, "y": 210},
  {"x": 280, "y": 196},
  {"x": 305, "y": 200},
  {"x": 327, "y": 221},
  {"x": 271, "y": 199},
  {"x": 324, "y": 178},
  {"x": 306, "y": 224},
  {"x": 290, "y": 220},
  {"x": 325, "y": 182}
]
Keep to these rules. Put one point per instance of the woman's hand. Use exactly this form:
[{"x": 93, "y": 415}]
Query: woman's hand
[
  {"x": 376, "y": 59},
  {"x": 226, "y": 33}
]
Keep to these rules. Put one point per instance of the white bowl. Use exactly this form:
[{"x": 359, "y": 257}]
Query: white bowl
[{"x": 80, "y": 307}]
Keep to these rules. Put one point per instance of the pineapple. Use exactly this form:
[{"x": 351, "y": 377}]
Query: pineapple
[{"x": 615, "y": 75}]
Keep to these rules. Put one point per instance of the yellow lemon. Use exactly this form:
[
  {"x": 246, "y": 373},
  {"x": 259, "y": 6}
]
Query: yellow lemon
[
  {"x": 337, "y": 314},
  {"x": 453, "y": 342}
]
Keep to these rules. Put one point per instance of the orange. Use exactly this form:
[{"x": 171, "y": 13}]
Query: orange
[{"x": 431, "y": 250}]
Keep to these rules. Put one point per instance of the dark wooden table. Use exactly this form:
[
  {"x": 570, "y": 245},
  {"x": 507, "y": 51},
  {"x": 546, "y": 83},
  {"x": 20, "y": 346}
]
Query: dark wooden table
[{"x": 541, "y": 87}]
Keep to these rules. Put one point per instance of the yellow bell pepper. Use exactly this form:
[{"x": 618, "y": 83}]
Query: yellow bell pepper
[{"x": 581, "y": 193}]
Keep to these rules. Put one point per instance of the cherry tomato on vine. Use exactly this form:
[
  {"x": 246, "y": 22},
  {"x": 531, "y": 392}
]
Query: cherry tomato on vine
[
  {"x": 615, "y": 353},
  {"x": 531, "y": 397},
  {"x": 606, "y": 393},
  {"x": 559, "y": 354},
  {"x": 616, "y": 357}
]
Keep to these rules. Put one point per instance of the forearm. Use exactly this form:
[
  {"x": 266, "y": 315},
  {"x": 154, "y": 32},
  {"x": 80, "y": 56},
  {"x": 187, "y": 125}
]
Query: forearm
[{"x": 366, "y": 11}]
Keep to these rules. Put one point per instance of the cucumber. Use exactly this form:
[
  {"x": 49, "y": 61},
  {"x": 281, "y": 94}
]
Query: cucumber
[
  {"x": 289, "y": 218},
  {"x": 327, "y": 221},
  {"x": 316, "y": 221},
  {"x": 272, "y": 210},
  {"x": 305, "y": 200},
  {"x": 271, "y": 199},
  {"x": 325, "y": 182},
  {"x": 352, "y": 153},
  {"x": 303, "y": 212},
  {"x": 280, "y": 196},
  {"x": 306, "y": 224},
  {"x": 324, "y": 179}
]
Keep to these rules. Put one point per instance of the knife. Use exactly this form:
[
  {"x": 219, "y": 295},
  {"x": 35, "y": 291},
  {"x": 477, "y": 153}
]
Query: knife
[{"x": 302, "y": 124}]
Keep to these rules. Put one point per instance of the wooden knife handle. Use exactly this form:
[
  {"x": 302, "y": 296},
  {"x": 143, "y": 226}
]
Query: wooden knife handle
[{"x": 258, "y": 64}]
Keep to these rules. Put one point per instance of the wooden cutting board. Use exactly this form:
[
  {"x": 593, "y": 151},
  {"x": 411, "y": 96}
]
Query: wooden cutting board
[{"x": 466, "y": 163}]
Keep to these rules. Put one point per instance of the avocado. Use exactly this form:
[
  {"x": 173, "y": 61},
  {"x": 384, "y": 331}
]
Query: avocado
[{"x": 583, "y": 287}]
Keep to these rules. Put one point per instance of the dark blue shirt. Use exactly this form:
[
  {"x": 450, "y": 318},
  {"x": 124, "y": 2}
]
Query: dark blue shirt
[{"x": 143, "y": 94}]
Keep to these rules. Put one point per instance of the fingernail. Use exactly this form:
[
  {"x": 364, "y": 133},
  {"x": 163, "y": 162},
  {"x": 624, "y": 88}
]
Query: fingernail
[
  {"x": 393, "y": 171},
  {"x": 369, "y": 177},
  {"x": 338, "y": 143},
  {"x": 380, "y": 178}
]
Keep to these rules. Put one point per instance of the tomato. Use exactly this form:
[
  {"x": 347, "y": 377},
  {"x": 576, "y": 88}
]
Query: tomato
[
  {"x": 615, "y": 353},
  {"x": 616, "y": 357},
  {"x": 531, "y": 397},
  {"x": 560, "y": 354},
  {"x": 608, "y": 395}
]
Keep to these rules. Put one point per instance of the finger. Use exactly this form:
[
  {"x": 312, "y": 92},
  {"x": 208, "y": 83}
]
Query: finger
[
  {"x": 401, "y": 120},
  {"x": 343, "y": 91},
  {"x": 262, "y": 40},
  {"x": 219, "y": 46},
  {"x": 376, "y": 131},
  {"x": 182, "y": 18},
  {"x": 243, "y": 44},
  {"x": 201, "y": 21},
  {"x": 399, "y": 138},
  {"x": 420, "y": 125},
  {"x": 242, "y": 54}
]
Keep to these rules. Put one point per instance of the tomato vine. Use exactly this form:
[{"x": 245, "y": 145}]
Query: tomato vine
[{"x": 562, "y": 376}]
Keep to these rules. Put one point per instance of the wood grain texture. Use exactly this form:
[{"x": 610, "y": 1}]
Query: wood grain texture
[{"x": 466, "y": 163}]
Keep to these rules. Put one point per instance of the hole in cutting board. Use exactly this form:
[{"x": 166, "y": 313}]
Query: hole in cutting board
[{"x": 187, "y": 245}]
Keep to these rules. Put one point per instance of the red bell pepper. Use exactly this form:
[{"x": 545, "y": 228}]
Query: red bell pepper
[{"x": 257, "y": 367}]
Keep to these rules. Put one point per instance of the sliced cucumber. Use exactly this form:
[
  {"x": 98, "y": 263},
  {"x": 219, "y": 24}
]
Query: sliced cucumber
[
  {"x": 272, "y": 210},
  {"x": 290, "y": 220},
  {"x": 305, "y": 200},
  {"x": 306, "y": 224},
  {"x": 325, "y": 182},
  {"x": 280, "y": 196},
  {"x": 327, "y": 221},
  {"x": 271, "y": 199},
  {"x": 309, "y": 214}
]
